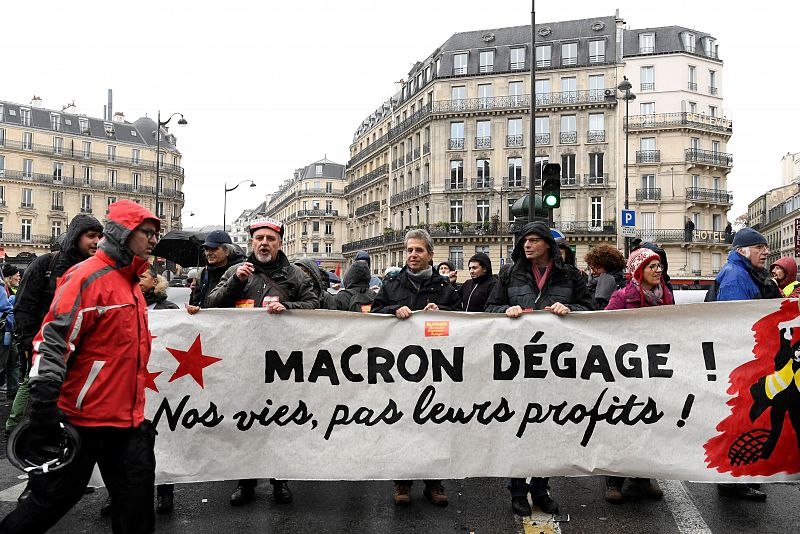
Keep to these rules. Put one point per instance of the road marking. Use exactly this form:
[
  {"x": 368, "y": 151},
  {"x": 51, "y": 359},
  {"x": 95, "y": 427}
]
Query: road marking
[
  {"x": 12, "y": 494},
  {"x": 687, "y": 516}
]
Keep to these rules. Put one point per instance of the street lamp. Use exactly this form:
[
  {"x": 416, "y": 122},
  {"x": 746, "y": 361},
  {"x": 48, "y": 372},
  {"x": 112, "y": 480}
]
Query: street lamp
[
  {"x": 225, "y": 201},
  {"x": 625, "y": 88},
  {"x": 181, "y": 122}
]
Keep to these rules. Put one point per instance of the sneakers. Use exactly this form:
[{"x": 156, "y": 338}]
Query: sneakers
[
  {"x": 520, "y": 505},
  {"x": 614, "y": 495},
  {"x": 402, "y": 495},
  {"x": 546, "y": 504},
  {"x": 648, "y": 488},
  {"x": 436, "y": 494},
  {"x": 164, "y": 503},
  {"x": 242, "y": 496},
  {"x": 742, "y": 492},
  {"x": 281, "y": 492}
]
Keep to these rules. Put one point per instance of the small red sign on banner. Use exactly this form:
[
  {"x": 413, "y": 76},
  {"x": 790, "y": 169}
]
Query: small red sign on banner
[{"x": 437, "y": 328}]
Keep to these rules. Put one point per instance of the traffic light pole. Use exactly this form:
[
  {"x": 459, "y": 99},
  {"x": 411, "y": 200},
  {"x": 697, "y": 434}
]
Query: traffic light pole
[{"x": 532, "y": 129}]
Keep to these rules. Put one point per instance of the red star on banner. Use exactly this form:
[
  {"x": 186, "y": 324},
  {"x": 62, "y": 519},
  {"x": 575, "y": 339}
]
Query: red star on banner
[
  {"x": 150, "y": 381},
  {"x": 192, "y": 362}
]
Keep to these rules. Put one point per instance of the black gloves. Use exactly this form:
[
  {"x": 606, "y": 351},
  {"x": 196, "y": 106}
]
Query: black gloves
[{"x": 45, "y": 420}]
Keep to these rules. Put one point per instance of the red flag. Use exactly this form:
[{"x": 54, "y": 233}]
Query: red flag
[{"x": 339, "y": 270}]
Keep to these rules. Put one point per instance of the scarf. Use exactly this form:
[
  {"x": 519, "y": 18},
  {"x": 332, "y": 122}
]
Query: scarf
[
  {"x": 541, "y": 278},
  {"x": 650, "y": 297},
  {"x": 418, "y": 279}
]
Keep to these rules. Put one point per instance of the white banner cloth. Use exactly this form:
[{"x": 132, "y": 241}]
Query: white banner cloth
[{"x": 336, "y": 395}]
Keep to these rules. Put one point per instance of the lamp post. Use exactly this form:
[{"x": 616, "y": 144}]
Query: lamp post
[
  {"x": 225, "y": 200},
  {"x": 181, "y": 122},
  {"x": 625, "y": 87}
]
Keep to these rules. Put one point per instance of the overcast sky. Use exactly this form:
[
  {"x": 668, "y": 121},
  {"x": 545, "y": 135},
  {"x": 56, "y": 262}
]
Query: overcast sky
[{"x": 272, "y": 86}]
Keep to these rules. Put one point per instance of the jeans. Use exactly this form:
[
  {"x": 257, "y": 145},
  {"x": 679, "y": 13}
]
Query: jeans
[
  {"x": 127, "y": 462},
  {"x": 520, "y": 488},
  {"x": 20, "y": 406}
]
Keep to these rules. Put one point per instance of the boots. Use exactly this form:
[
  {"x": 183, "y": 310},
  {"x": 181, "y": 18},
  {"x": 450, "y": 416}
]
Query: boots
[{"x": 402, "y": 494}]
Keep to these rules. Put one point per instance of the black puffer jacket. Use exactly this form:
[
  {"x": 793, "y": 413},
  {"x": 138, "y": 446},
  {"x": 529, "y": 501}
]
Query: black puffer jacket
[
  {"x": 401, "y": 291},
  {"x": 38, "y": 286},
  {"x": 293, "y": 287},
  {"x": 320, "y": 286},
  {"x": 475, "y": 292},
  {"x": 160, "y": 300},
  {"x": 517, "y": 286},
  {"x": 210, "y": 277}
]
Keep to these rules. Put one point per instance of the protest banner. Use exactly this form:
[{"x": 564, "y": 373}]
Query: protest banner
[{"x": 695, "y": 392}]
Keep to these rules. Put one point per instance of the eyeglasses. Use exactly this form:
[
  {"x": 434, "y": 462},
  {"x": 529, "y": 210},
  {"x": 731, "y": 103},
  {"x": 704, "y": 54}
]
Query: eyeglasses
[
  {"x": 148, "y": 232},
  {"x": 656, "y": 267}
]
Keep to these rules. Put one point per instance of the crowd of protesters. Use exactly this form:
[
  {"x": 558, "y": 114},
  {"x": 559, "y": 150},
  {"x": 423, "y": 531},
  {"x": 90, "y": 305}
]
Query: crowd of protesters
[{"x": 51, "y": 303}]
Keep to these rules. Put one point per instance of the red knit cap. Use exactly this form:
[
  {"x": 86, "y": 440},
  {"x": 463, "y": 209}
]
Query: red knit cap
[{"x": 638, "y": 259}]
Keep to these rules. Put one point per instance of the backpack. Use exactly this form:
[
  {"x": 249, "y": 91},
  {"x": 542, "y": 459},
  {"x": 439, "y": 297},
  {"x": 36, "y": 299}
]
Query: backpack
[
  {"x": 711, "y": 294},
  {"x": 48, "y": 275},
  {"x": 361, "y": 300}
]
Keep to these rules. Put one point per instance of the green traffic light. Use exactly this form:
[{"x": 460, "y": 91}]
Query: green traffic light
[{"x": 551, "y": 200}]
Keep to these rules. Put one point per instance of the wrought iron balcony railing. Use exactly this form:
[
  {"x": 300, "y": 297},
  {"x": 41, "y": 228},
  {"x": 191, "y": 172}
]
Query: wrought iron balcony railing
[
  {"x": 568, "y": 137},
  {"x": 9, "y": 238},
  {"x": 483, "y": 142},
  {"x": 410, "y": 193},
  {"x": 596, "y": 136},
  {"x": 371, "y": 207},
  {"x": 70, "y": 181},
  {"x": 586, "y": 227},
  {"x": 692, "y": 86},
  {"x": 456, "y": 143},
  {"x": 514, "y": 140},
  {"x": 462, "y": 105},
  {"x": 714, "y": 196},
  {"x": 569, "y": 181},
  {"x": 712, "y": 90},
  {"x": 482, "y": 183},
  {"x": 647, "y": 87},
  {"x": 681, "y": 118},
  {"x": 367, "y": 178},
  {"x": 596, "y": 179},
  {"x": 455, "y": 184},
  {"x": 650, "y": 193},
  {"x": 648, "y": 156},
  {"x": 584, "y": 96},
  {"x": 684, "y": 235},
  {"x": 516, "y": 182},
  {"x": 542, "y": 138},
  {"x": 709, "y": 157}
]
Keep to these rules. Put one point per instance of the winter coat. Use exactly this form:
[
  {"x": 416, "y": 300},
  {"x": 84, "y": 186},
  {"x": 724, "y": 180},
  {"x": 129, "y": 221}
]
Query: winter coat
[
  {"x": 475, "y": 291},
  {"x": 790, "y": 287},
  {"x": 739, "y": 280},
  {"x": 629, "y": 297},
  {"x": 602, "y": 287},
  {"x": 356, "y": 280},
  {"x": 319, "y": 285},
  {"x": 517, "y": 285},
  {"x": 7, "y": 311},
  {"x": 209, "y": 278},
  {"x": 402, "y": 291},
  {"x": 38, "y": 286},
  {"x": 289, "y": 285},
  {"x": 157, "y": 300},
  {"x": 94, "y": 344}
]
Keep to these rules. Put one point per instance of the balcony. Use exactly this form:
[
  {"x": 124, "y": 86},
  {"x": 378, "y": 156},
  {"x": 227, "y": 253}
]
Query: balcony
[
  {"x": 455, "y": 184},
  {"x": 648, "y": 156},
  {"x": 709, "y": 157},
  {"x": 317, "y": 213},
  {"x": 596, "y": 179},
  {"x": 683, "y": 235},
  {"x": 647, "y": 87},
  {"x": 647, "y": 49},
  {"x": 482, "y": 183},
  {"x": 712, "y": 90},
  {"x": 542, "y": 139},
  {"x": 77, "y": 153},
  {"x": 56, "y": 208},
  {"x": 692, "y": 86},
  {"x": 514, "y": 140},
  {"x": 650, "y": 193},
  {"x": 371, "y": 207},
  {"x": 568, "y": 137},
  {"x": 462, "y": 105},
  {"x": 606, "y": 228},
  {"x": 596, "y": 136},
  {"x": 456, "y": 143},
  {"x": 86, "y": 210},
  {"x": 367, "y": 178},
  {"x": 515, "y": 182},
  {"x": 9, "y": 238},
  {"x": 567, "y": 181},
  {"x": 568, "y": 98},
  {"x": 410, "y": 193},
  {"x": 26, "y": 205},
  {"x": 712, "y": 196},
  {"x": 483, "y": 142},
  {"x": 681, "y": 118},
  {"x": 415, "y": 118}
]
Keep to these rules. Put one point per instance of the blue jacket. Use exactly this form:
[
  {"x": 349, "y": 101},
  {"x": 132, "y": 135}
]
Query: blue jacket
[
  {"x": 739, "y": 280},
  {"x": 6, "y": 306}
]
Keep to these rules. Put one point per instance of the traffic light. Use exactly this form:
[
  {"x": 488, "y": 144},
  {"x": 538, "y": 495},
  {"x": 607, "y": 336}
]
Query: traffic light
[{"x": 551, "y": 185}]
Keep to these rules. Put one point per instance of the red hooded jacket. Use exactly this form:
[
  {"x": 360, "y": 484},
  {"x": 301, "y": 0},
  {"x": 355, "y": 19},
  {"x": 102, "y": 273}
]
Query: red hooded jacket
[{"x": 95, "y": 341}]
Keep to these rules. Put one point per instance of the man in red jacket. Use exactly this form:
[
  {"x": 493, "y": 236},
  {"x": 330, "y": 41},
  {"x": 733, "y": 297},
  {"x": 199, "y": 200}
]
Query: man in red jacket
[{"x": 89, "y": 365}]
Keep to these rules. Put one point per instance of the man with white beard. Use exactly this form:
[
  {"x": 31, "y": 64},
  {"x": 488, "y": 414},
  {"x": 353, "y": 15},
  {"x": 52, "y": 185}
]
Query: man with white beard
[{"x": 265, "y": 280}]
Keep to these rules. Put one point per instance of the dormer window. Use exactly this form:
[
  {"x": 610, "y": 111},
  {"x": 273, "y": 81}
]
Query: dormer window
[
  {"x": 647, "y": 43},
  {"x": 318, "y": 170},
  {"x": 55, "y": 122},
  {"x": 688, "y": 42},
  {"x": 710, "y": 47},
  {"x": 109, "y": 129},
  {"x": 83, "y": 124}
]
